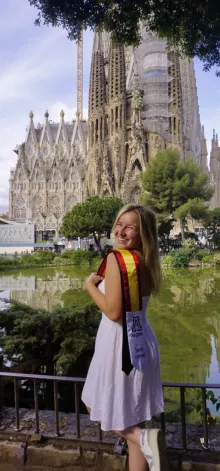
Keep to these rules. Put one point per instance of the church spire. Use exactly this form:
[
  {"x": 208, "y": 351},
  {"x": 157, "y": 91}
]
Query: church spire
[
  {"x": 117, "y": 74},
  {"x": 97, "y": 93},
  {"x": 97, "y": 118},
  {"x": 97, "y": 88},
  {"x": 204, "y": 152},
  {"x": 117, "y": 111}
]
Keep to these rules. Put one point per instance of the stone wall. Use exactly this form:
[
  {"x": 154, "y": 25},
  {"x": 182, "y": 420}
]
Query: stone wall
[
  {"x": 21, "y": 456},
  {"x": 16, "y": 233},
  {"x": 57, "y": 455}
]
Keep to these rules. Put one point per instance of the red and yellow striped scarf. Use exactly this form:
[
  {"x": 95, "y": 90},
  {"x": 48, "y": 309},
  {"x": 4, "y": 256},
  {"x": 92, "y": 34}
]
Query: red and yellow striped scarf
[{"x": 129, "y": 267}]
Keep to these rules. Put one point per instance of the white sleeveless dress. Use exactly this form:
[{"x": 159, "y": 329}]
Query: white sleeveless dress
[{"x": 117, "y": 400}]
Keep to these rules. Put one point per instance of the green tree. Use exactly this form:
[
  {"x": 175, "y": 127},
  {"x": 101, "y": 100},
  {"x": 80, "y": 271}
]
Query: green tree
[
  {"x": 193, "y": 26},
  {"x": 212, "y": 224},
  {"x": 52, "y": 343},
  {"x": 94, "y": 217},
  {"x": 176, "y": 189}
]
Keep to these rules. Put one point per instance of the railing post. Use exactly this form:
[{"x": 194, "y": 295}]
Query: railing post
[
  {"x": 36, "y": 407},
  {"x": 16, "y": 396},
  {"x": 183, "y": 416},
  {"x": 99, "y": 433},
  {"x": 76, "y": 393},
  {"x": 162, "y": 422},
  {"x": 56, "y": 411},
  {"x": 205, "y": 425}
]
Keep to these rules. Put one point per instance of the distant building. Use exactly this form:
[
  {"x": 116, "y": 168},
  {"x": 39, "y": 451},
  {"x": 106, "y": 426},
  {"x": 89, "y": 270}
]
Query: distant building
[
  {"x": 15, "y": 237},
  {"x": 47, "y": 180}
]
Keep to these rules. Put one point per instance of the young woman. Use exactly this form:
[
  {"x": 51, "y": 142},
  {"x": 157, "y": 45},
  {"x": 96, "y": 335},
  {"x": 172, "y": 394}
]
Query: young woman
[{"x": 123, "y": 387}]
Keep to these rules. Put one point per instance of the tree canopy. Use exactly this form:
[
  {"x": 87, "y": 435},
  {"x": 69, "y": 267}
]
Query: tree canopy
[
  {"x": 192, "y": 26},
  {"x": 212, "y": 224},
  {"x": 94, "y": 217},
  {"x": 176, "y": 189},
  {"x": 52, "y": 343}
]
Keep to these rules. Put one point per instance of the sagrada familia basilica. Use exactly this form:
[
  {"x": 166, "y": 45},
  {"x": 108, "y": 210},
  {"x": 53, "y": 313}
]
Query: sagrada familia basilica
[{"x": 141, "y": 100}]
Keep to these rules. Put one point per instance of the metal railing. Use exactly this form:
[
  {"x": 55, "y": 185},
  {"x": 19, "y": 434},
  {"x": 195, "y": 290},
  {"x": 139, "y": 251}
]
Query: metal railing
[{"x": 77, "y": 381}]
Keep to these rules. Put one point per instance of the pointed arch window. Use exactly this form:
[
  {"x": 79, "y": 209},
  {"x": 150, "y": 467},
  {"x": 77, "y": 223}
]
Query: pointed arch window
[
  {"x": 96, "y": 129},
  {"x": 112, "y": 121},
  {"x": 116, "y": 118},
  {"x": 92, "y": 133},
  {"x": 101, "y": 124},
  {"x": 136, "y": 166}
]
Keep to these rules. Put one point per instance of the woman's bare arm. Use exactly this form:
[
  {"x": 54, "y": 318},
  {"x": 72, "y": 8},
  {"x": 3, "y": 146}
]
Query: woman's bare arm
[{"x": 111, "y": 302}]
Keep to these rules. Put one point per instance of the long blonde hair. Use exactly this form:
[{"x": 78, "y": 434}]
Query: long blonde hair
[{"x": 149, "y": 239}]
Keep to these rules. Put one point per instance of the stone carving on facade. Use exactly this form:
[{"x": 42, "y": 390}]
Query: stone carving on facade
[
  {"x": 157, "y": 143},
  {"x": 150, "y": 108},
  {"x": 51, "y": 222},
  {"x": 47, "y": 152},
  {"x": 39, "y": 222}
]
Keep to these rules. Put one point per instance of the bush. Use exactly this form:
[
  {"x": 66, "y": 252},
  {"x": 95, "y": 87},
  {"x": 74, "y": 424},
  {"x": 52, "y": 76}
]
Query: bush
[
  {"x": 85, "y": 257},
  {"x": 208, "y": 259},
  {"x": 168, "y": 260},
  {"x": 58, "y": 260},
  {"x": 181, "y": 258},
  {"x": 59, "y": 342},
  {"x": 190, "y": 248},
  {"x": 68, "y": 253},
  {"x": 201, "y": 253},
  {"x": 217, "y": 258},
  {"x": 7, "y": 261},
  {"x": 26, "y": 259},
  {"x": 44, "y": 256}
]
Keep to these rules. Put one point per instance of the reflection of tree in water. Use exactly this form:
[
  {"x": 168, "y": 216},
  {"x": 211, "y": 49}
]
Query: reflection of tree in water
[
  {"x": 214, "y": 313},
  {"x": 180, "y": 318}
]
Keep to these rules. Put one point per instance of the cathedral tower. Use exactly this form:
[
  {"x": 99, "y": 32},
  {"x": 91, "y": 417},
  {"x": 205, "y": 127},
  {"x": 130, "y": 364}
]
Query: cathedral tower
[
  {"x": 97, "y": 119},
  {"x": 147, "y": 99},
  {"x": 175, "y": 98},
  {"x": 215, "y": 171},
  {"x": 204, "y": 152},
  {"x": 116, "y": 111}
]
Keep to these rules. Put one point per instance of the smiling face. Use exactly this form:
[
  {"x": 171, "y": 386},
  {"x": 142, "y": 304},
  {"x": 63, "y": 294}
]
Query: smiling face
[{"x": 127, "y": 231}]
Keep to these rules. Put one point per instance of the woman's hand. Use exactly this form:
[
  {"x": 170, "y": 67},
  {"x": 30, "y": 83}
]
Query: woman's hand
[{"x": 93, "y": 279}]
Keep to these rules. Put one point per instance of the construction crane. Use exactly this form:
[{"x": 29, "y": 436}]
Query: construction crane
[{"x": 80, "y": 76}]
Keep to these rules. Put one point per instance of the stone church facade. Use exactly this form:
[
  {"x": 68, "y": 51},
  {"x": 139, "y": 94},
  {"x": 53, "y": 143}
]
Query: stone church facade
[
  {"x": 141, "y": 100},
  {"x": 47, "y": 180}
]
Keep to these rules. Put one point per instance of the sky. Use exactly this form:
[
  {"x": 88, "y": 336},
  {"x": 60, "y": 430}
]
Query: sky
[{"x": 38, "y": 73}]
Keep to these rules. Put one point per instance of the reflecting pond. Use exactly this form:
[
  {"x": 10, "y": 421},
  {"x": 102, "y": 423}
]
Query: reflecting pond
[{"x": 185, "y": 317}]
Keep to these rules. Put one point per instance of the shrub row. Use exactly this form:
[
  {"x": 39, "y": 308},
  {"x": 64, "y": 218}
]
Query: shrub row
[
  {"x": 189, "y": 254},
  {"x": 41, "y": 258}
]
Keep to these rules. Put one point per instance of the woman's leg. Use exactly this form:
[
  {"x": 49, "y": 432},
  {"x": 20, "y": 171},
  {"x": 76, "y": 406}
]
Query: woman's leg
[
  {"x": 136, "y": 459},
  {"x": 132, "y": 434}
]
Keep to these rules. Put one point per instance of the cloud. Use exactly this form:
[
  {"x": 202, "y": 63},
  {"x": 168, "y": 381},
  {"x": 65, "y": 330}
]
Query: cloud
[
  {"x": 8, "y": 158},
  {"x": 35, "y": 65},
  {"x": 37, "y": 72}
]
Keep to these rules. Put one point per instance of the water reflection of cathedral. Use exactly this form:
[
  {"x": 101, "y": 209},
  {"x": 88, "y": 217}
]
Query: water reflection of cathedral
[{"x": 42, "y": 293}]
